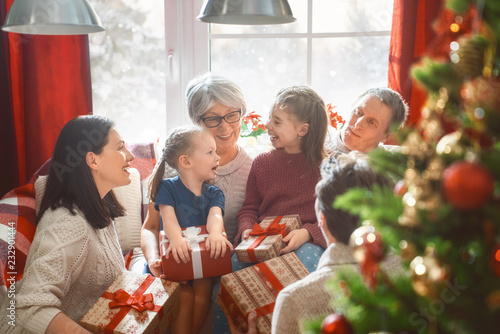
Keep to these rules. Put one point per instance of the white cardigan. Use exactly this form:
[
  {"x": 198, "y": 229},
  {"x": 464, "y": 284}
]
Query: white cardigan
[{"x": 69, "y": 265}]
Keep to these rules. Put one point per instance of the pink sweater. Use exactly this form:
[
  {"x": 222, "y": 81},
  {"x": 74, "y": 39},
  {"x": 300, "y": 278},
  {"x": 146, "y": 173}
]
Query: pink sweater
[{"x": 280, "y": 184}]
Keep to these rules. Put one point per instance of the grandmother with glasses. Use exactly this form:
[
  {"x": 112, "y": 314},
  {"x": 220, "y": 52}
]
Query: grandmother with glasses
[{"x": 217, "y": 104}]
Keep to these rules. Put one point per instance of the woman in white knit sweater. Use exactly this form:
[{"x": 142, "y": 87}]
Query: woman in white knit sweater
[{"x": 75, "y": 254}]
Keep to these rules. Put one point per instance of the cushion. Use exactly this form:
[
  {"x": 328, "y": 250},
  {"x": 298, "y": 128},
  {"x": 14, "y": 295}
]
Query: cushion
[
  {"x": 144, "y": 162},
  {"x": 129, "y": 226}
]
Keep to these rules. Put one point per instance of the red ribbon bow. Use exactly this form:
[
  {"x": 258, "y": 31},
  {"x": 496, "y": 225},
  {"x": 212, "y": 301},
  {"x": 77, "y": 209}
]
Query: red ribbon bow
[
  {"x": 138, "y": 300},
  {"x": 140, "y": 303},
  {"x": 274, "y": 228}
]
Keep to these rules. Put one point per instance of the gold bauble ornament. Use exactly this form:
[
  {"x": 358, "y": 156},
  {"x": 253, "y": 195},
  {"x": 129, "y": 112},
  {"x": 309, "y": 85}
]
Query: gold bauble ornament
[
  {"x": 481, "y": 101},
  {"x": 432, "y": 129},
  {"x": 434, "y": 169},
  {"x": 482, "y": 92},
  {"x": 414, "y": 146},
  {"x": 409, "y": 216},
  {"x": 428, "y": 274},
  {"x": 469, "y": 58},
  {"x": 408, "y": 250}
]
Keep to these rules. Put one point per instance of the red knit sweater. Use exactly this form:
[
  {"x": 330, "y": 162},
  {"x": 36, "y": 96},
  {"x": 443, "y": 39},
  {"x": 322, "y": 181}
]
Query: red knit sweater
[{"x": 281, "y": 184}]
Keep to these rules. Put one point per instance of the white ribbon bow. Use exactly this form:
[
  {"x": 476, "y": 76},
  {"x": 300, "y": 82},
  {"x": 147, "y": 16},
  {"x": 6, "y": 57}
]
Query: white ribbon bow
[{"x": 192, "y": 235}]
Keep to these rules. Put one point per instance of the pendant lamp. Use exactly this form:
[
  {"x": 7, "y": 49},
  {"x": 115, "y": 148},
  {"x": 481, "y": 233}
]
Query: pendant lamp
[
  {"x": 249, "y": 12},
  {"x": 54, "y": 17}
]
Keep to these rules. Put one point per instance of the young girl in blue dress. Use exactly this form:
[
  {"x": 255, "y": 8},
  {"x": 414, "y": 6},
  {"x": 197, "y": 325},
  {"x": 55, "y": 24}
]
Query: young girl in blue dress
[{"x": 185, "y": 201}]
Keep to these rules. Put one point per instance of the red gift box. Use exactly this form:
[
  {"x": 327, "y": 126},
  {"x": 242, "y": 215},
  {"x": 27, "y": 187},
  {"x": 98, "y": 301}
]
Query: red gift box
[
  {"x": 265, "y": 241},
  {"x": 200, "y": 264},
  {"x": 255, "y": 289},
  {"x": 134, "y": 303}
]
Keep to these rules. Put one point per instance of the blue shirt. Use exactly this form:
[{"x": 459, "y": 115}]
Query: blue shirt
[{"x": 190, "y": 210}]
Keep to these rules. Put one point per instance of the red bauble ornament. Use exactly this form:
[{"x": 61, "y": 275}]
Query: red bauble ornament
[
  {"x": 400, "y": 188},
  {"x": 467, "y": 185},
  {"x": 368, "y": 250},
  {"x": 367, "y": 244},
  {"x": 495, "y": 260},
  {"x": 336, "y": 323}
]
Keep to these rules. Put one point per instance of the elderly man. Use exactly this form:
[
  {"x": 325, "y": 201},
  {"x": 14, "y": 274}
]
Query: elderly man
[{"x": 376, "y": 113}]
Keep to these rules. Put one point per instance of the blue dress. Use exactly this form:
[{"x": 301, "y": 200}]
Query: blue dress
[{"x": 190, "y": 210}]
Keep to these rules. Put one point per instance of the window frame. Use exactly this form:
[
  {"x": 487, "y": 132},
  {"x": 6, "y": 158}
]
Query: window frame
[
  {"x": 187, "y": 52},
  {"x": 188, "y": 41}
]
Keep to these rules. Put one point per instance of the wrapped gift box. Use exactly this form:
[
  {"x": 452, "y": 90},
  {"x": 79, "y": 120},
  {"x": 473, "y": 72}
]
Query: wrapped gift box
[
  {"x": 256, "y": 288},
  {"x": 134, "y": 303},
  {"x": 200, "y": 265},
  {"x": 266, "y": 238}
]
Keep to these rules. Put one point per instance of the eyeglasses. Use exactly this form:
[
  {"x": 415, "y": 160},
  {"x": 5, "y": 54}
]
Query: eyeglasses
[{"x": 213, "y": 121}]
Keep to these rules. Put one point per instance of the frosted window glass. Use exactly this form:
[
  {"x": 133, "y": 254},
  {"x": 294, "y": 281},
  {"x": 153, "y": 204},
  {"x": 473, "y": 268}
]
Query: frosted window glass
[
  {"x": 128, "y": 67},
  {"x": 261, "y": 67},
  {"x": 352, "y": 15},
  {"x": 342, "y": 68}
]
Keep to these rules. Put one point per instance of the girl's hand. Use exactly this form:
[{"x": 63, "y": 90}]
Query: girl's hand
[
  {"x": 252, "y": 325},
  {"x": 216, "y": 243},
  {"x": 156, "y": 268},
  {"x": 180, "y": 248},
  {"x": 295, "y": 239},
  {"x": 245, "y": 234}
]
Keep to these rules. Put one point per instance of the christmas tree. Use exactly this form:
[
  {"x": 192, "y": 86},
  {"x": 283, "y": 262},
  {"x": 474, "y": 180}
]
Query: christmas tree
[{"x": 443, "y": 216}]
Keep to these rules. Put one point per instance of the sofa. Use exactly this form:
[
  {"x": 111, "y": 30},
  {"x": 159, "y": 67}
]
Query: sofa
[{"x": 18, "y": 210}]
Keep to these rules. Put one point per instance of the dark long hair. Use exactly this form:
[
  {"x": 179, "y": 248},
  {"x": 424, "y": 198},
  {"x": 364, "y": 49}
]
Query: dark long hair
[
  {"x": 308, "y": 107},
  {"x": 70, "y": 183}
]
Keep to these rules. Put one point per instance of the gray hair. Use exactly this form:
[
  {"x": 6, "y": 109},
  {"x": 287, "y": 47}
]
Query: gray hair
[
  {"x": 394, "y": 101},
  {"x": 208, "y": 89}
]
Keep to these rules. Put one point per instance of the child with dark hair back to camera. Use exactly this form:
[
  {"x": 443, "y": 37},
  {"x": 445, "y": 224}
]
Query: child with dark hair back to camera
[{"x": 307, "y": 298}]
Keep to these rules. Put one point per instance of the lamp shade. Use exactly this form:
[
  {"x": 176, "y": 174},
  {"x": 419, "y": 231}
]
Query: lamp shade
[
  {"x": 250, "y": 12},
  {"x": 52, "y": 17}
]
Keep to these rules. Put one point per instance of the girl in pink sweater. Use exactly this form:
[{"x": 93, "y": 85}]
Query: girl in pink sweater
[{"x": 282, "y": 182}]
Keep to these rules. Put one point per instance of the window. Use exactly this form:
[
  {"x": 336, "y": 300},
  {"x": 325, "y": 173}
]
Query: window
[
  {"x": 128, "y": 67},
  {"x": 338, "y": 47}
]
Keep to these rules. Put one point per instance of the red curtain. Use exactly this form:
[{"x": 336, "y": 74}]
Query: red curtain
[
  {"x": 44, "y": 82},
  {"x": 411, "y": 33}
]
